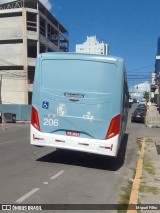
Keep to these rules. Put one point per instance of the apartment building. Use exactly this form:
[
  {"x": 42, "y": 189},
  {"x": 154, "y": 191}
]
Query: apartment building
[
  {"x": 93, "y": 46},
  {"x": 27, "y": 28},
  {"x": 157, "y": 75}
]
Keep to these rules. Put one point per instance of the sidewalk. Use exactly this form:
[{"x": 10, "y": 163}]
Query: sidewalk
[
  {"x": 149, "y": 189},
  {"x": 2, "y": 126},
  {"x": 146, "y": 184},
  {"x": 153, "y": 116},
  {"x": 5, "y": 126}
]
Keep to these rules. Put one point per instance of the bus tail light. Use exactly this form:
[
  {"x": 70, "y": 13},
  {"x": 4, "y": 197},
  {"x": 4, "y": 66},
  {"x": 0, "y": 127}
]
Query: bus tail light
[
  {"x": 114, "y": 127},
  {"x": 35, "y": 119}
]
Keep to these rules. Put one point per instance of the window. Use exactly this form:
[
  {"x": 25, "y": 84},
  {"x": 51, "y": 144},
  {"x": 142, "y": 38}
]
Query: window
[
  {"x": 31, "y": 21},
  {"x": 31, "y": 72},
  {"x": 32, "y": 49}
]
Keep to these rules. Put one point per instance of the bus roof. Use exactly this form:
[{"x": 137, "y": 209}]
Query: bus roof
[{"x": 80, "y": 56}]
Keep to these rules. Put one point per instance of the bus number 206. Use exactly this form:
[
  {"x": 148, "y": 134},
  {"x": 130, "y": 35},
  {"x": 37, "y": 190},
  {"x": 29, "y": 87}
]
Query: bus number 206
[{"x": 50, "y": 122}]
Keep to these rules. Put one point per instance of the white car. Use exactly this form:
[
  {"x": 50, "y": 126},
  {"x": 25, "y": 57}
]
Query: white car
[
  {"x": 143, "y": 101},
  {"x": 130, "y": 100}
]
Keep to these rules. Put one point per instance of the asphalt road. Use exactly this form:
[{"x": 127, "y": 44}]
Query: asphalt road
[{"x": 31, "y": 175}]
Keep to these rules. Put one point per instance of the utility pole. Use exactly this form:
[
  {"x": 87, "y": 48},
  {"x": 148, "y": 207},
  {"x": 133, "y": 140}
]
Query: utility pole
[{"x": 150, "y": 90}]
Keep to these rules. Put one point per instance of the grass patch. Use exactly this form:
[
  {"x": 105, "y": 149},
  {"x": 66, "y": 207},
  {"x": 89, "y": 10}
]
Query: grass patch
[
  {"x": 139, "y": 203},
  {"x": 147, "y": 189},
  {"x": 149, "y": 140},
  {"x": 148, "y": 167},
  {"x": 126, "y": 191},
  {"x": 156, "y": 179},
  {"x": 125, "y": 196},
  {"x": 139, "y": 142}
]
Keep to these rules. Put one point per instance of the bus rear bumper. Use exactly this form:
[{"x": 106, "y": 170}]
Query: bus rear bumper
[{"x": 102, "y": 147}]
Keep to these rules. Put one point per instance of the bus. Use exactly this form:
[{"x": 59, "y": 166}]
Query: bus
[{"x": 79, "y": 102}]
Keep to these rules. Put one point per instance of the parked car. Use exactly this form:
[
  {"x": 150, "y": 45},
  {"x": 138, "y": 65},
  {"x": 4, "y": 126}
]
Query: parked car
[
  {"x": 143, "y": 101},
  {"x": 134, "y": 100},
  {"x": 130, "y": 102},
  {"x": 138, "y": 115},
  {"x": 142, "y": 106}
]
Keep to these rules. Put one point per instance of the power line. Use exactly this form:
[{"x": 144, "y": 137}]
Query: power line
[{"x": 140, "y": 68}]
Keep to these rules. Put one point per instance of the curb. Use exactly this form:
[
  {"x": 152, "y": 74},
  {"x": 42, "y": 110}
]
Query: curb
[
  {"x": 2, "y": 127},
  {"x": 136, "y": 182},
  {"x": 23, "y": 122}
]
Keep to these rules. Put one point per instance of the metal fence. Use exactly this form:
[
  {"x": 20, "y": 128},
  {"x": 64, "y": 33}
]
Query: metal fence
[{"x": 23, "y": 112}]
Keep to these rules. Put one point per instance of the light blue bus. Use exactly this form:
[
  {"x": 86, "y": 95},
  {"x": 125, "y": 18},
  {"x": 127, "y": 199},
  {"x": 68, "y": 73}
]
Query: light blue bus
[{"x": 80, "y": 102}]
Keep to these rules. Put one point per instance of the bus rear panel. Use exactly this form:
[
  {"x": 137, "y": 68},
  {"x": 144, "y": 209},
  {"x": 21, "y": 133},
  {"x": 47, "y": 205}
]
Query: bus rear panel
[{"x": 78, "y": 103}]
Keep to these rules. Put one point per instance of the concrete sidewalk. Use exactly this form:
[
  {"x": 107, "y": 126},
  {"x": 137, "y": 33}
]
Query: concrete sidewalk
[
  {"x": 153, "y": 116},
  {"x": 149, "y": 188},
  {"x": 146, "y": 184}
]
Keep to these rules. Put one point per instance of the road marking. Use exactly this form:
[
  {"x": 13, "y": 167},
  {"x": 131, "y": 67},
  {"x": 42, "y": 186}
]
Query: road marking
[
  {"x": 20, "y": 200},
  {"x": 45, "y": 183},
  {"x": 57, "y": 175}
]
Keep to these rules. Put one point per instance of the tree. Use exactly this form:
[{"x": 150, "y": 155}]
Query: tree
[{"x": 146, "y": 95}]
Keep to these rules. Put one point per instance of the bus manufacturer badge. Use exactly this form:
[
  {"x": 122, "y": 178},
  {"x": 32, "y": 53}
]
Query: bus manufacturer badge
[
  {"x": 73, "y": 95},
  {"x": 61, "y": 110}
]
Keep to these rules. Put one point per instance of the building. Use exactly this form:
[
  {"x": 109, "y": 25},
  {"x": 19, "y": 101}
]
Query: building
[
  {"x": 93, "y": 46},
  {"x": 156, "y": 88},
  {"x": 27, "y": 28}
]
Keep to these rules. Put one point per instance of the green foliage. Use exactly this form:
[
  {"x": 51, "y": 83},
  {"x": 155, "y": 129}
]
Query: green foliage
[{"x": 146, "y": 96}]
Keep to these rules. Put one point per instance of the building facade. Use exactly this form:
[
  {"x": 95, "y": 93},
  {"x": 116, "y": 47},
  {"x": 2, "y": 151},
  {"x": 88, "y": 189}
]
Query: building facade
[
  {"x": 27, "y": 28},
  {"x": 93, "y": 46},
  {"x": 155, "y": 88}
]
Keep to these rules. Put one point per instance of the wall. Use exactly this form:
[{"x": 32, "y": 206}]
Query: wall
[
  {"x": 12, "y": 87},
  {"x": 11, "y": 54},
  {"x": 23, "y": 112},
  {"x": 11, "y": 28},
  {"x": 13, "y": 82}
]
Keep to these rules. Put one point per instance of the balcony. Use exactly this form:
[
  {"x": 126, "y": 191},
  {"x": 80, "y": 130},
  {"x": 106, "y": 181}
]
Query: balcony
[
  {"x": 48, "y": 43},
  {"x": 32, "y": 35},
  {"x": 31, "y": 61}
]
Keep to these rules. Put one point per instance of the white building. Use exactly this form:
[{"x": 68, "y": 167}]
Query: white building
[
  {"x": 144, "y": 87},
  {"x": 154, "y": 87},
  {"x": 27, "y": 28},
  {"x": 93, "y": 46},
  {"x": 153, "y": 78}
]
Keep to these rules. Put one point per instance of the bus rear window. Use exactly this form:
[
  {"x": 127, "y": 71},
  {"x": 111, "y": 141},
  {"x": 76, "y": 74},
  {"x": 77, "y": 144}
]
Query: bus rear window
[{"x": 79, "y": 75}]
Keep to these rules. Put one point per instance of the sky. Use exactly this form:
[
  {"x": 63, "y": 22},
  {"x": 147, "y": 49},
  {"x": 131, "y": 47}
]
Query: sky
[{"x": 130, "y": 28}]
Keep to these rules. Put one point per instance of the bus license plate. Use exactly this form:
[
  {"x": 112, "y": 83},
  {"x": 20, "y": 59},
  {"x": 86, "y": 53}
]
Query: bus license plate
[{"x": 72, "y": 133}]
